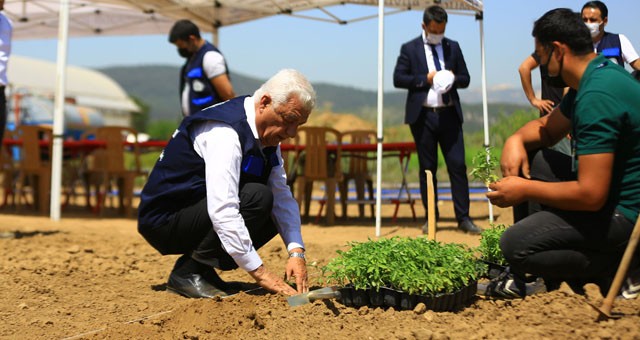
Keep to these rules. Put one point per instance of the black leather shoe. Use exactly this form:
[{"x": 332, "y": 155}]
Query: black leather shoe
[
  {"x": 469, "y": 227},
  {"x": 212, "y": 277},
  {"x": 425, "y": 228},
  {"x": 193, "y": 286}
]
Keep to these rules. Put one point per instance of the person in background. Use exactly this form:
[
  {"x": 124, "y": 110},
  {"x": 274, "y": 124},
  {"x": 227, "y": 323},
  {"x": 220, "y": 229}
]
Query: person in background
[
  {"x": 204, "y": 78},
  {"x": 218, "y": 191},
  {"x": 6, "y": 30},
  {"x": 615, "y": 47},
  {"x": 550, "y": 95},
  {"x": 590, "y": 199},
  {"x": 432, "y": 68}
]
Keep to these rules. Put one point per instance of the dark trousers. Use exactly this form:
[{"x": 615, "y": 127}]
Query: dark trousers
[
  {"x": 444, "y": 128},
  {"x": 3, "y": 114},
  {"x": 547, "y": 165},
  {"x": 558, "y": 244},
  {"x": 191, "y": 231}
]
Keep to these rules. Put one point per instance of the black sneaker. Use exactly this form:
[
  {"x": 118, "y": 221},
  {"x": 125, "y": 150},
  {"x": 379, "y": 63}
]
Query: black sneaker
[
  {"x": 509, "y": 286},
  {"x": 631, "y": 286}
]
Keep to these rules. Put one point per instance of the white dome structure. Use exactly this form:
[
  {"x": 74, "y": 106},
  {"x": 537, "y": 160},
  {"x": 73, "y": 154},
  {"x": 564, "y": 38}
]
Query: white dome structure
[{"x": 84, "y": 87}]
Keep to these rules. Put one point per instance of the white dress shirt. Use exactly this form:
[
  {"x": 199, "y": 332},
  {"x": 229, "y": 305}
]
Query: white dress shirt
[
  {"x": 219, "y": 145},
  {"x": 433, "y": 98}
]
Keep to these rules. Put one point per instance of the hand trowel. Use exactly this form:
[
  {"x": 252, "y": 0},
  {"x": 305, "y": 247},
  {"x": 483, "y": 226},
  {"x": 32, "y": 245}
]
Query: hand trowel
[{"x": 317, "y": 294}]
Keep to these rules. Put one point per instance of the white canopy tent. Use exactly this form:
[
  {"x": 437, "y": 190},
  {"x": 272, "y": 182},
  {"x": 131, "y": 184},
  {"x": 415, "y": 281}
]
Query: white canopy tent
[{"x": 50, "y": 18}]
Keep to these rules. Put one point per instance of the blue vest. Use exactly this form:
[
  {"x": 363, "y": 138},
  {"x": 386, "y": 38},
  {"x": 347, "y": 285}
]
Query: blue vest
[
  {"x": 201, "y": 93},
  {"x": 178, "y": 177},
  {"x": 611, "y": 48}
]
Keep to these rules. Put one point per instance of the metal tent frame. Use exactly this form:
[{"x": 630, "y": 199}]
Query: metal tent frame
[{"x": 64, "y": 18}]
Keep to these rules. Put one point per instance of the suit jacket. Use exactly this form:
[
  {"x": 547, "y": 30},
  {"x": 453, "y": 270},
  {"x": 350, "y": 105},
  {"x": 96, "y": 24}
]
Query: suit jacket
[{"x": 411, "y": 73}]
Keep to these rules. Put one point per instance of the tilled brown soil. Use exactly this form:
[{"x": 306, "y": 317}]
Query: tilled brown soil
[{"x": 97, "y": 278}]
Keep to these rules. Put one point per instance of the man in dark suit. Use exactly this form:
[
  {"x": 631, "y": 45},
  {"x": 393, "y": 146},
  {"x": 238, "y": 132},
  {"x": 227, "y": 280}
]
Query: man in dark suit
[{"x": 432, "y": 68}]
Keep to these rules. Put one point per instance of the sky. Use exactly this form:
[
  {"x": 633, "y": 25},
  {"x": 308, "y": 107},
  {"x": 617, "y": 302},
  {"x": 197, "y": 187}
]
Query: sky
[{"x": 345, "y": 54}]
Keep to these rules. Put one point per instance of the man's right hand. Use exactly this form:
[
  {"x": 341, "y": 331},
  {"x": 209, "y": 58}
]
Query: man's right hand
[
  {"x": 515, "y": 159},
  {"x": 543, "y": 105},
  {"x": 430, "y": 76},
  {"x": 271, "y": 282}
]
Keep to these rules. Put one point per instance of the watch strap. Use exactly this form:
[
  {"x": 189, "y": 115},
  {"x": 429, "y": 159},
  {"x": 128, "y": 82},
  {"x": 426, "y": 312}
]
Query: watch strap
[{"x": 298, "y": 255}]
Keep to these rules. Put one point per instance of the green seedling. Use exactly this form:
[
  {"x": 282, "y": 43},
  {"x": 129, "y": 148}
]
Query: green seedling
[
  {"x": 489, "y": 247},
  {"x": 411, "y": 265},
  {"x": 485, "y": 165}
]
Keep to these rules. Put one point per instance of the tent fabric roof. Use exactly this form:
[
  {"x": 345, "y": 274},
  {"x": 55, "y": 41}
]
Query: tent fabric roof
[
  {"x": 38, "y": 19},
  {"x": 40, "y": 76}
]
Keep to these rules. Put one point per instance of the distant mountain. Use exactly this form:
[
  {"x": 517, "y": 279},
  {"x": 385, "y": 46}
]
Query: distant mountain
[{"x": 157, "y": 86}]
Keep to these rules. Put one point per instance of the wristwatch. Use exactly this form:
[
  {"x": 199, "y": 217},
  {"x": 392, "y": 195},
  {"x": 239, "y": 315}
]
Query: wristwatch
[{"x": 298, "y": 255}]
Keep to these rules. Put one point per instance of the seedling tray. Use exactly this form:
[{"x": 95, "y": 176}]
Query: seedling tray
[
  {"x": 494, "y": 269},
  {"x": 387, "y": 297}
]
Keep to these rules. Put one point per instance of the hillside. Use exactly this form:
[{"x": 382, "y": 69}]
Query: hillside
[{"x": 157, "y": 86}]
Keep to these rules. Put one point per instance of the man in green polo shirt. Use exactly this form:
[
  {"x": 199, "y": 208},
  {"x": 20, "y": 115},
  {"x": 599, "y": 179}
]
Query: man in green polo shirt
[{"x": 590, "y": 200}]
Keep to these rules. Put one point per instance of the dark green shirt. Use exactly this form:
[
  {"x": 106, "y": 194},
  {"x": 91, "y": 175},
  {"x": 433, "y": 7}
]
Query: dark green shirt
[{"x": 605, "y": 117}]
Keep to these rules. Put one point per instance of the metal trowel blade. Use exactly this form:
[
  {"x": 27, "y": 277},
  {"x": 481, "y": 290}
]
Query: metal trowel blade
[{"x": 322, "y": 293}]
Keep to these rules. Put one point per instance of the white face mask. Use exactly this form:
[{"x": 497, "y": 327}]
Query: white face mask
[
  {"x": 434, "y": 39},
  {"x": 594, "y": 28}
]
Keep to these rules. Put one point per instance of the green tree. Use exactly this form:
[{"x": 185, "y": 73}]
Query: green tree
[
  {"x": 162, "y": 129},
  {"x": 140, "y": 120}
]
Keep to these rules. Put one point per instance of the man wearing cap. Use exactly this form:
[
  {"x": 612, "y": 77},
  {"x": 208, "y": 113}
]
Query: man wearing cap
[{"x": 432, "y": 68}]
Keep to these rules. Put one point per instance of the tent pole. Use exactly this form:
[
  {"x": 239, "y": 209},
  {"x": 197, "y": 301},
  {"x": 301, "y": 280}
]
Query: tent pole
[
  {"x": 58, "y": 111},
  {"x": 380, "y": 106},
  {"x": 485, "y": 110},
  {"x": 215, "y": 37}
]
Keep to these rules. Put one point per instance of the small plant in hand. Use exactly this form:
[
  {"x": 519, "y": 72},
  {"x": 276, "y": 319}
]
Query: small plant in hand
[
  {"x": 410, "y": 265},
  {"x": 484, "y": 167}
]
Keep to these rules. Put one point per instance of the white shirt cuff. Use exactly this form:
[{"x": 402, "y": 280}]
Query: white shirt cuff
[
  {"x": 294, "y": 245},
  {"x": 249, "y": 261}
]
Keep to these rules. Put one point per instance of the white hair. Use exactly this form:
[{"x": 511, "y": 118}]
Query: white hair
[{"x": 287, "y": 83}]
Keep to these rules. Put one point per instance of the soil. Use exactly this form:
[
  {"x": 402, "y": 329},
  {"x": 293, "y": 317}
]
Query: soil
[{"x": 96, "y": 278}]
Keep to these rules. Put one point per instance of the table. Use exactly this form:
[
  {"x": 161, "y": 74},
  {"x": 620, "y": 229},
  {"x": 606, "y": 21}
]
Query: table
[
  {"x": 86, "y": 146},
  {"x": 73, "y": 150},
  {"x": 401, "y": 150}
]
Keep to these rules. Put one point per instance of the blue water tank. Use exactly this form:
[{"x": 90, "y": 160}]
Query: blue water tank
[{"x": 37, "y": 110}]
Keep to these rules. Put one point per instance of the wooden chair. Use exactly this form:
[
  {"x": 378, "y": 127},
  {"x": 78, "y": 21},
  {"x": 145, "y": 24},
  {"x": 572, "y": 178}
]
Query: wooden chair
[
  {"x": 290, "y": 165},
  {"x": 358, "y": 171},
  {"x": 34, "y": 166},
  {"x": 106, "y": 166},
  {"x": 9, "y": 171},
  {"x": 319, "y": 165}
]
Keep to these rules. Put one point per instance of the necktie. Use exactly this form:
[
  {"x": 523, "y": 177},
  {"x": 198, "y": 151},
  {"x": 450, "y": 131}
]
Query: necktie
[{"x": 436, "y": 61}]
